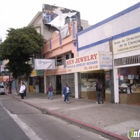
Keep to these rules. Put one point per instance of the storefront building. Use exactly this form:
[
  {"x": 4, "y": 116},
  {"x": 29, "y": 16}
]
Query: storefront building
[
  {"x": 59, "y": 44},
  {"x": 60, "y": 52},
  {"x": 127, "y": 68},
  {"x": 116, "y": 34},
  {"x": 126, "y": 52},
  {"x": 89, "y": 68}
]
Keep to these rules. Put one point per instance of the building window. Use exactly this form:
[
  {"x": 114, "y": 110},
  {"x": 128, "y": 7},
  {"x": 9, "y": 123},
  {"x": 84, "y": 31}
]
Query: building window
[
  {"x": 59, "y": 61},
  {"x": 72, "y": 55},
  {"x": 67, "y": 56}
]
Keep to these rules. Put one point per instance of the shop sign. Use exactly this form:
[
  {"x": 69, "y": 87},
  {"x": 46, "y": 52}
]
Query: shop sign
[
  {"x": 83, "y": 63},
  {"x": 125, "y": 44},
  {"x": 44, "y": 64},
  {"x": 94, "y": 61},
  {"x": 105, "y": 60},
  {"x": 37, "y": 73},
  {"x": 33, "y": 73}
]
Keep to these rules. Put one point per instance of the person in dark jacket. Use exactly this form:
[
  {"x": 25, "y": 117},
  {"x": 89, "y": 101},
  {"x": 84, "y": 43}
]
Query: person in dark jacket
[
  {"x": 99, "y": 88},
  {"x": 66, "y": 92},
  {"x": 50, "y": 92}
]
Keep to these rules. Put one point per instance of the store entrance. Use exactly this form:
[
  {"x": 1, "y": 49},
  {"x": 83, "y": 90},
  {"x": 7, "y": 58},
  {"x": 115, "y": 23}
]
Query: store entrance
[
  {"x": 58, "y": 84},
  {"x": 88, "y": 80}
]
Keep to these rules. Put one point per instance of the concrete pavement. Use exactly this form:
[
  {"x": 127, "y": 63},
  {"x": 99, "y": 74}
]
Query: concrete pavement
[{"x": 111, "y": 120}]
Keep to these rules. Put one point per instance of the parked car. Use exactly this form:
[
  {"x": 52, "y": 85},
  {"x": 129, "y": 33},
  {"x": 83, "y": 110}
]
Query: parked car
[{"x": 2, "y": 90}]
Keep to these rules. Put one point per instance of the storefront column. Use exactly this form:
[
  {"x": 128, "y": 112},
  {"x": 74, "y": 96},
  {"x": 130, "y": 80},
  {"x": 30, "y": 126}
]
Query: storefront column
[
  {"x": 76, "y": 85},
  {"x": 45, "y": 82},
  {"x": 116, "y": 86}
]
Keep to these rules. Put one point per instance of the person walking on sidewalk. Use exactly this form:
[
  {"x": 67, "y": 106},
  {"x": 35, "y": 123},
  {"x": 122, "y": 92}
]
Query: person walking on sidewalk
[
  {"x": 66, "y": 92},
  {"x": 21, "y": 91},
  {"x": 25, "y": 90},
  {"x": 50, "y": 92},
  {"x": 99, "y": 88}
]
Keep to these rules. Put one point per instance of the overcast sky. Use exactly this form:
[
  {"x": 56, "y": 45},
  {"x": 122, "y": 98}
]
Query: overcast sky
[{"x": 18, "y": 13}]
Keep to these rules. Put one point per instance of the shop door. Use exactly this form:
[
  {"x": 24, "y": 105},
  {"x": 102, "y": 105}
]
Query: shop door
[
  {"x": 58, "y": 84},
  {"x": 41, "y": 85}
]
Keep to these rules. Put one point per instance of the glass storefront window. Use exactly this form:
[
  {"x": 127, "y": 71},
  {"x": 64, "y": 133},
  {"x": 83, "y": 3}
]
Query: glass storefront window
[
  {"x": 107, "y": 82},
  {"x": 88, "y": 80},
  {"x": 129, "y": 80}
]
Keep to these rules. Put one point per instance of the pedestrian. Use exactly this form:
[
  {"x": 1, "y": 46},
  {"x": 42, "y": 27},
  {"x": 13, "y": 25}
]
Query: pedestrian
[
  {"x": 99, "y": 88},
  {"x": 25, "y": 90},
  {"x": 66, "y": 92},
  {"x": 21, "y": 91},
  {"x": 50, "y": 92}
]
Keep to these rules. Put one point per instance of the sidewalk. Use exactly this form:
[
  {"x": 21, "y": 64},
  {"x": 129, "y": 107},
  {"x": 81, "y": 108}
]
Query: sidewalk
[{"x": 115, "y": 120}]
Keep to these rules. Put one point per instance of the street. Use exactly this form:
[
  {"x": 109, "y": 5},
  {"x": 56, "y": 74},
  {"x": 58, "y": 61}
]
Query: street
[
  {"x": 20, "y": 121},
  {"x": 9, "y": 130}
]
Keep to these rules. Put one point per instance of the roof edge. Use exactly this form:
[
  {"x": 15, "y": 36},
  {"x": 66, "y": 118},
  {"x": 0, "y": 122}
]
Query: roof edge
[{"x": 35, "y": 17}]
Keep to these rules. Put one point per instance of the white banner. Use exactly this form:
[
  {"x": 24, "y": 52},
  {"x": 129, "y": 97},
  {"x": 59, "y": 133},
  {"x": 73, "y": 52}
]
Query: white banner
[
  {"x": 44, "y": 64},
  {"x": 105, "y": 59}
]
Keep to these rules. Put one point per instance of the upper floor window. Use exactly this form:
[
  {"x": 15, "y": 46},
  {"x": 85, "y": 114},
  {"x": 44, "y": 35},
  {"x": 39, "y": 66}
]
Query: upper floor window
[
  {"x": 59, "y": 61},
  {"x": 69, "y": 55}
]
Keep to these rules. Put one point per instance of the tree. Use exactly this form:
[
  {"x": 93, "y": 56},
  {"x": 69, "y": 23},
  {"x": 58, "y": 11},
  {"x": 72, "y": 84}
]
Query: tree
[{"x": 18, "y": 48}]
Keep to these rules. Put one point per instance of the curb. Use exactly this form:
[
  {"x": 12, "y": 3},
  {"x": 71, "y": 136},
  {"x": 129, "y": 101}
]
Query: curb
[
  {"x": 89, "y": 127},
  {"x": 92, "y": 128}
]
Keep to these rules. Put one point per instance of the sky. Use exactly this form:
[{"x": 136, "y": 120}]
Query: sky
[{"x": 19, "y": 13}]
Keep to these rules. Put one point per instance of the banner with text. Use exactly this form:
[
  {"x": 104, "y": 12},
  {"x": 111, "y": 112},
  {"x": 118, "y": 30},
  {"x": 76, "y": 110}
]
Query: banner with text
[
  {"x": 44, "y": 64},
  {"x": 128, "y": 43},
  {"x": 95, "y": 61},
  {"x": 105, "y": 60}
]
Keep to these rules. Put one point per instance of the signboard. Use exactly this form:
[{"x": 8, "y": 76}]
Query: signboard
[
  {"x": 44, "y": 64},
  {"x": 94, "y": 61},
  {"x": 33, "y": 73},
  {"x": 37, "y": 73},
  {"x": 128, "y": 43},
  {"x": 105, "y": 59}
]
